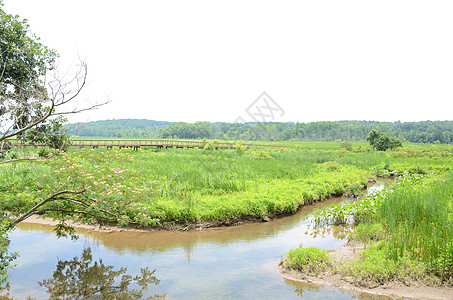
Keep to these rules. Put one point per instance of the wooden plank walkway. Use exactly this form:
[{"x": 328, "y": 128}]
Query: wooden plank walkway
[{"x": 149, "y": 143}]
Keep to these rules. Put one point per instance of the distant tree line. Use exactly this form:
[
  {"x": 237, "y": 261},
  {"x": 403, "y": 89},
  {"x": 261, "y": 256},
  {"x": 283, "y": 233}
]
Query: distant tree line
[{"x": 416, "y": 132}]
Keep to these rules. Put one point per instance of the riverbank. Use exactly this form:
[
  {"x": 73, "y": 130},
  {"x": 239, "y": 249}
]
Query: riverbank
[
  {"x": 199, "y": 225},
  {"x": 350, "y": 252}
]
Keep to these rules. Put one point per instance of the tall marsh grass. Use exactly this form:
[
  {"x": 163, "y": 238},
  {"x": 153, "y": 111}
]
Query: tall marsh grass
[
  {"x": 419, "y": 223},
  {"x": 411, "y": 225}
]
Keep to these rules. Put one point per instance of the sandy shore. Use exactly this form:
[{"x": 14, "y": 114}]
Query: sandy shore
[
  {"x": 348, "y": 252},
  {"x": 105, "y": 228}
]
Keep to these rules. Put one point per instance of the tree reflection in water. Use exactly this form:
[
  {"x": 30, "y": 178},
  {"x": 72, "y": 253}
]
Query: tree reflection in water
[{"x": 81, "y": 278}]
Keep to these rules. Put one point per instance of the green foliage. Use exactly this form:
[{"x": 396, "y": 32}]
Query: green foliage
[
  {"x": 413, "y": 223},
  {"x": 88, "y": 187},
  {"x": 309, "y": 261},
  {"x": 240, "y": 149},
  {"x": 374, "y": 267},
  {"x": 366, "y": 232},
  {"x": 49, "y": 133},
  {"x": 331, "y": 165},
  {"x": 352, "y": 131},
  {"x": 24, "y": 59},
  {"x": 365, "y": 209},
  {"x": 6, "y": 257},
  {"x": 419, "y": 222},
  {"x": 262, "y": 154},
  {"x": 395, "y": 143},
  {"x": 381, "y": 141},
  {"x": 346, "y": 145},
  {"x": 26, "y": 108},
  {"x": 25, "y": 62},
  {"x": 210, "y": 145}
]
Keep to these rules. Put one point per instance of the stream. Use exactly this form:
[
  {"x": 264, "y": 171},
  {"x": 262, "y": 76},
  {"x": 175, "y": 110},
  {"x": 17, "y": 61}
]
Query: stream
[{"x": 238, "y": 262}]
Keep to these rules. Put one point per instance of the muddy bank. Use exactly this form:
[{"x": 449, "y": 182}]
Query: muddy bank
[
  {"x": 349, "y": 252},
  {"x": 199, "y": 225}
]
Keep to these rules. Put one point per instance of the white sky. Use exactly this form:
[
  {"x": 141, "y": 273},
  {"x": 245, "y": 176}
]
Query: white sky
[{"x": 209, "y": 60}]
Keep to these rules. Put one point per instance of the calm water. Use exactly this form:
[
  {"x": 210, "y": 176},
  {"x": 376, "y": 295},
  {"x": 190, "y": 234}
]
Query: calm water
[{"x": 222, "y": 263}]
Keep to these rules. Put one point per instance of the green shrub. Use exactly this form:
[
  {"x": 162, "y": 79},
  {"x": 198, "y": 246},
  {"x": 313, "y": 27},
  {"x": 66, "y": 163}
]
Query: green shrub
[
  {"x": 331, "y": 165},
  {"x": 210, "y": 145},
  {"x": 240, "y": 149},
  {"x": 262, "y": 154},
  {"x": 346, "y": 145},
  {"x": 308, "y": 260}
]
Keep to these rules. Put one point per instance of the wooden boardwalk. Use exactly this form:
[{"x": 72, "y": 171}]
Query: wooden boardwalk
[{"x": 149, "y": 143}]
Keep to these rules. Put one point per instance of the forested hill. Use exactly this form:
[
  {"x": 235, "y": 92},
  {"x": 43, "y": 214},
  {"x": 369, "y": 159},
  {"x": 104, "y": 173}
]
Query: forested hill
[
  {"x": 416, "y": 132},
  {"x": 127, "y": 128}
]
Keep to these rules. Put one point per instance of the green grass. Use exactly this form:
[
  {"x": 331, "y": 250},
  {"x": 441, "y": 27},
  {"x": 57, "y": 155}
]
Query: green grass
[
  {"x": 223, "y": 187},
  {"x": 419, "y": 224},
  {"x": 409, "y": 229},
  {"x": 309, "y": 261},
  {"x": 220, "y": 185}
]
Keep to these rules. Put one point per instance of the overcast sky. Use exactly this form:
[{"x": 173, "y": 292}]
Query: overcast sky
[{"x": 211, "y": 60}]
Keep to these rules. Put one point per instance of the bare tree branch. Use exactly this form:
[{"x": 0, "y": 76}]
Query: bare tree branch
[
  {"x": 80, "y": 212},
  {"x": 22, "y": 159},
  {"x": 58, "y": 95},
  {"x": 34, "y": 209}
]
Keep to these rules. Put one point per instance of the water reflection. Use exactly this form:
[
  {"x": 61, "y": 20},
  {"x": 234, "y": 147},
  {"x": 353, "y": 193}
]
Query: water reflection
[
  {"x": 312, "y": 291},
  {"x": 302, "y": 287},
  {"x": 162, "y": 241},
  {"x": 81, "y": 278},
  {"x": 337, "y": 231},
  {"x": 232, "y": 262}
]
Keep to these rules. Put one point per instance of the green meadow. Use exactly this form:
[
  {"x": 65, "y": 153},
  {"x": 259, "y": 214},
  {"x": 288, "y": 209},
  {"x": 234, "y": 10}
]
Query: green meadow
[{"x": 185, "y": 187}]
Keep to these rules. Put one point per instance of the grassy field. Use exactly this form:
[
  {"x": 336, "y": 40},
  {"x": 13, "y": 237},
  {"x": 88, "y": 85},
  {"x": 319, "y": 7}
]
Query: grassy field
[{"x": 212, "y": 187}]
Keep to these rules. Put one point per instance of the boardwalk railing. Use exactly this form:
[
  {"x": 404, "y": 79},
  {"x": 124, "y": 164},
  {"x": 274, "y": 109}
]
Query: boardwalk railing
[{"x": 149, "y": 143}]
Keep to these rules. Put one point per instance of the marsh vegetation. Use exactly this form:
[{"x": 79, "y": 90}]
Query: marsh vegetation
[{"x": 407, "y": 231}]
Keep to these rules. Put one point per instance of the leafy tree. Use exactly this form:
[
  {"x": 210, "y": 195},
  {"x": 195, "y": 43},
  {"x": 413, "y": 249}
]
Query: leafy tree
[
  {"x": 381, "y": 141},
  {"x": 395, "y": 143},
  {"x": 415, "y": 132},
  {"x": 32, "y": 94},
  {"x": 32, "y": 108},
  {"x": 24, "y": 64},
  {"x": 373, "y": 137}
]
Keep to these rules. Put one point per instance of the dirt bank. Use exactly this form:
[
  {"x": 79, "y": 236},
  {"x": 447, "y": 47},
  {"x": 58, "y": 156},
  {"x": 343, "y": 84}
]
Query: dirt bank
[
  {"x": 35, "y": 219},
  {"x": 349, "y": 252}
]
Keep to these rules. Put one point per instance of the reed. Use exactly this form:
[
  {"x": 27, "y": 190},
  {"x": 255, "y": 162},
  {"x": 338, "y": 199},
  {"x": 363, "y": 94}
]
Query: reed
[{"x": 419, "y": 224}]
